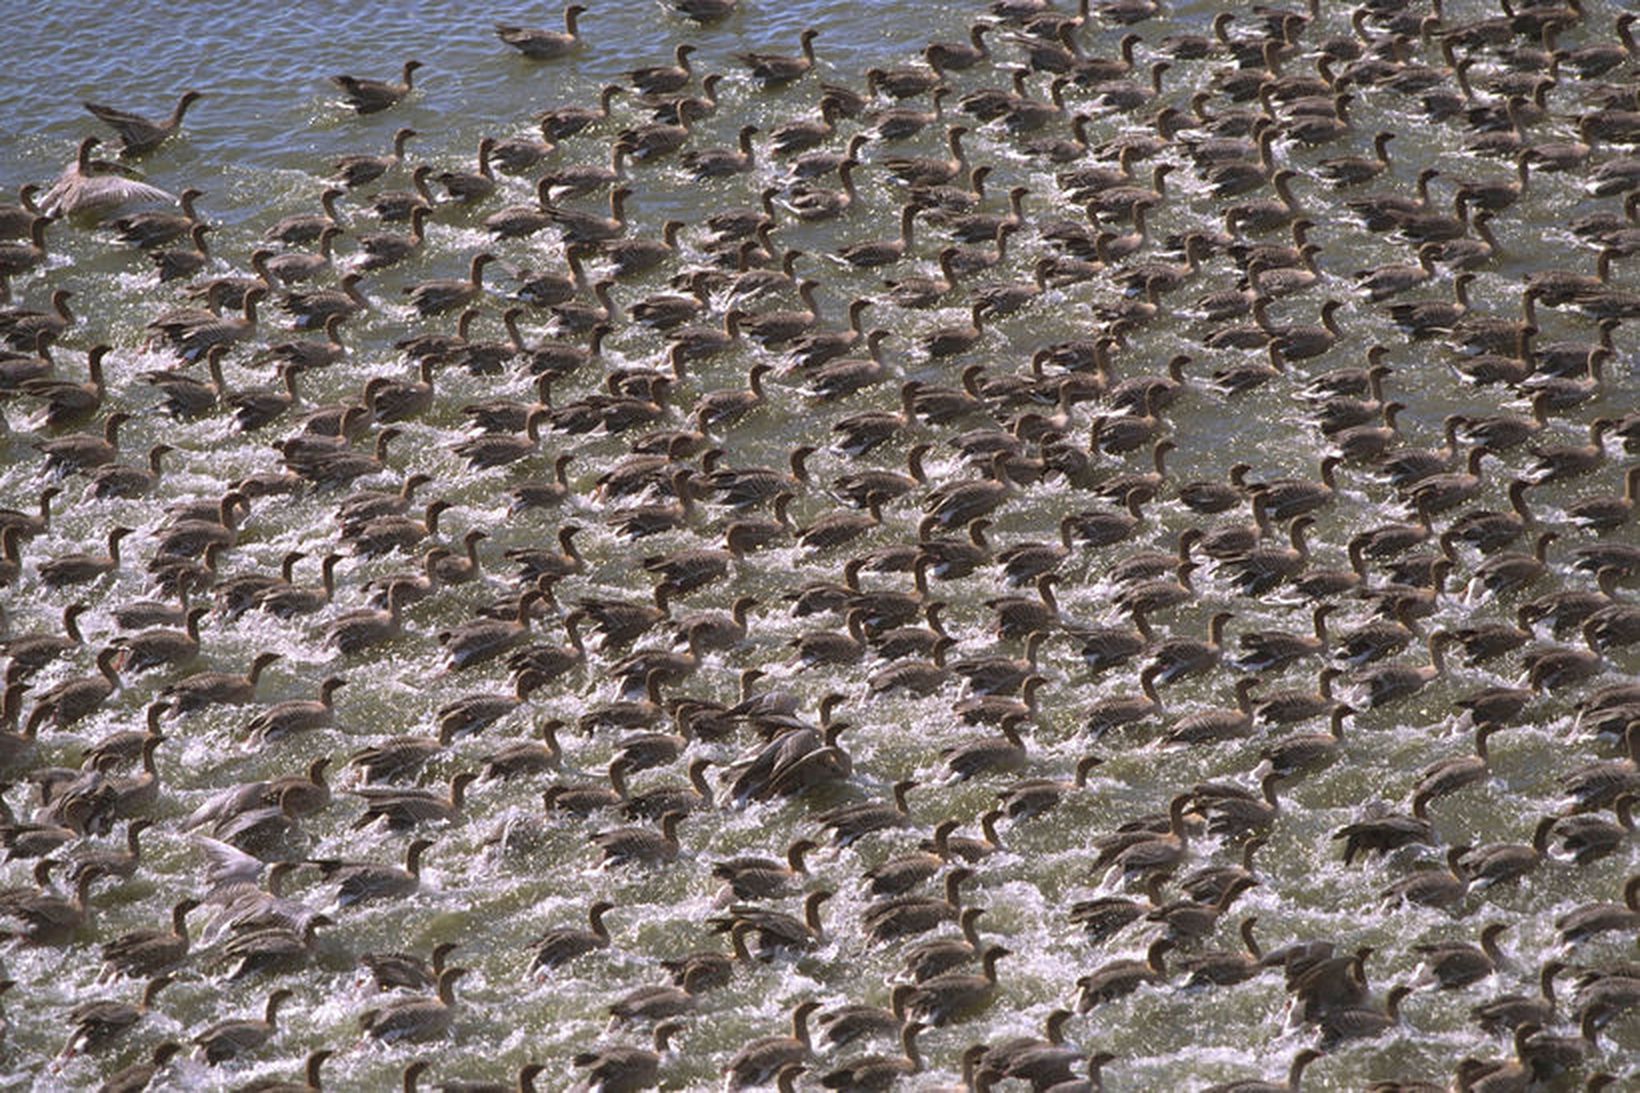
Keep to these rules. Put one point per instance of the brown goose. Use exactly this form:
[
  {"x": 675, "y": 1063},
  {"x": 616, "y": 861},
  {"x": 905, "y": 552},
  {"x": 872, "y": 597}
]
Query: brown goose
[
  {"x": 559, "y": 946},
  {"x": 78, "y": 697},
  {"x": 624, "y": 1067},
  {"x": 100, "y": 1024},
  {"x": 362, "y": 882},
  {"x": 147, "y": 953},
  {"x": 203, "y": 689},
  {"x": 416, "y": 1019},
  {"x": 226, "y": 1040},
  {"x": 1382, "y": 686},
  {"x": 765, "y": 1057},
  {"x": 361, "y": 170},
  {"x": 878, "y": 1073},
  {"x": 373, "y": 96},
  {"x": 1592, "y": 919},
  {"x": 776, "y": 69},
  {"x": 403, "y": 808},
  {"x": 85, "y": 190},
  {"x": 544, "y": 45},
  {"x": 1453, "y": 773}
]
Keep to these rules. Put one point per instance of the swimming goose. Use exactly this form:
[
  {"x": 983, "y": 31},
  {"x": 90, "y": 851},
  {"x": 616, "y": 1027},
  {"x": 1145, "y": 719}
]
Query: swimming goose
[
  {"x": 78, "y": 697},
  {"x": 147, "y": 953},
  {"x": 159, "y": 647},
  {"x": 203, "y": 689},
  {"x": 878, "y": 1073},
  {"x": 360, "y": 170},
  {"x": 416, "y": 1019},
  {"x": 29, "y": 653},
  {"x": 1592, "y": 919},
  {"x": 140, "y": 1076},
  {"x": 774, "y": 69},
  {"x": 544, "y": 45},
  {"x": 226, "y": 1040},
  {"x": 99, "y": 1024},
  {"x": 362, "y": 882},
  {"x": 622, "y": 1068},
  {"x": 403, "y": 808},
  {"x": 88, "y": 190},
  {"x": 763, "y": 1058},
  {"x": 373, "y": 96},
  {"x": 147, "y": 230}
]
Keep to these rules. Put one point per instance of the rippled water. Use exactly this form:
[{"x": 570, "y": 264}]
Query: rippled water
[{"x": 259, "y": 144}]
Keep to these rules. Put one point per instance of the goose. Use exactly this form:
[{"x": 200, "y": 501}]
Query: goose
[
  {"x": 714, "y": 163},
  {"x": 1437, "y": 493},
  {"x": 86, "y": 189},
  {"x": 80, "y": 452},
  {"x": 311, "y": 307},
  {"x": 1452, "y": 965},
  {"x": 147, "y": 230},
  {"x": 877, "y": 1073},
  {"x": 437, "y": 296},
  {"x": 360, "y": 170},
  {"x": 404, "y": 808},
  {"x": 1267, "y": 650},
  {"x": 363, "y": 882},
  {"x": 384, "y": 249},
  {"x": 99, "y": 1024},
  {"x": 1593, "y": 919},
  {"x": 1508, "y": 1012},
  {"x": 30, "y": 653},
  {"x": 1558, "y": 462},
  {"x": 544, "y": 45},
  {"x": 159, "y": 647},
  {"x": 303, "y": 228},
  {"x": 406, "y": 971},
  {"x": 774, "y": 69},
  {"x": 1361, "y": 1022},
  {"x": 621, "y": 1068},
  {"x": 1608, "y": 513},
  {"x": 1453, "y": 773},
  {"x": 1177, "y": 657},
  {"x": 304, "y": 354},
  {"x": 1120, "y": 978},
  {"x": 226, "y": 1040},
  {"x": 76, "y": 698},
  {"x": 926, "y": 172},
  {"x": 956, "y": 995},
  {"x": 775, "y": 328},
  {"x": 664, "y": 79},
  {"x": 16, "y": 220},
  {"x": 373, "y": 96},
  {"x": 641, "y": 845},
  {"x": 765, "y": 1057},
  {"x": 1509, "y": 571},
  {"x": 280, "y": 269},
  {"x": 358, "y": 630},
  {"x": 1499, "y": 863},
  {"x": 1382, "y": 686},
  {"x": 204, "y": 689},
  {"x": 776, "y": 932},
  {"x": 397, "y": 206},
  {"x": 286, "y": 601},
  {"x": 415, "y": 1019}
]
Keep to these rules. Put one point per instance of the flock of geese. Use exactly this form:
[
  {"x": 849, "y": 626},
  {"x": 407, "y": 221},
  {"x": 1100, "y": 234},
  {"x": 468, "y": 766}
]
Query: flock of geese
[{"x": 818, "y": 710}]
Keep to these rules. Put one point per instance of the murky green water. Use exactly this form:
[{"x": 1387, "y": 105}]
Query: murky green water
[{"x": 259, "y": 145}]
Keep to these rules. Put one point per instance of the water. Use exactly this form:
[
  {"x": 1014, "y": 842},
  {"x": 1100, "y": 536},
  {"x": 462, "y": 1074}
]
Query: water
[{"x": 259, "y": 145}]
